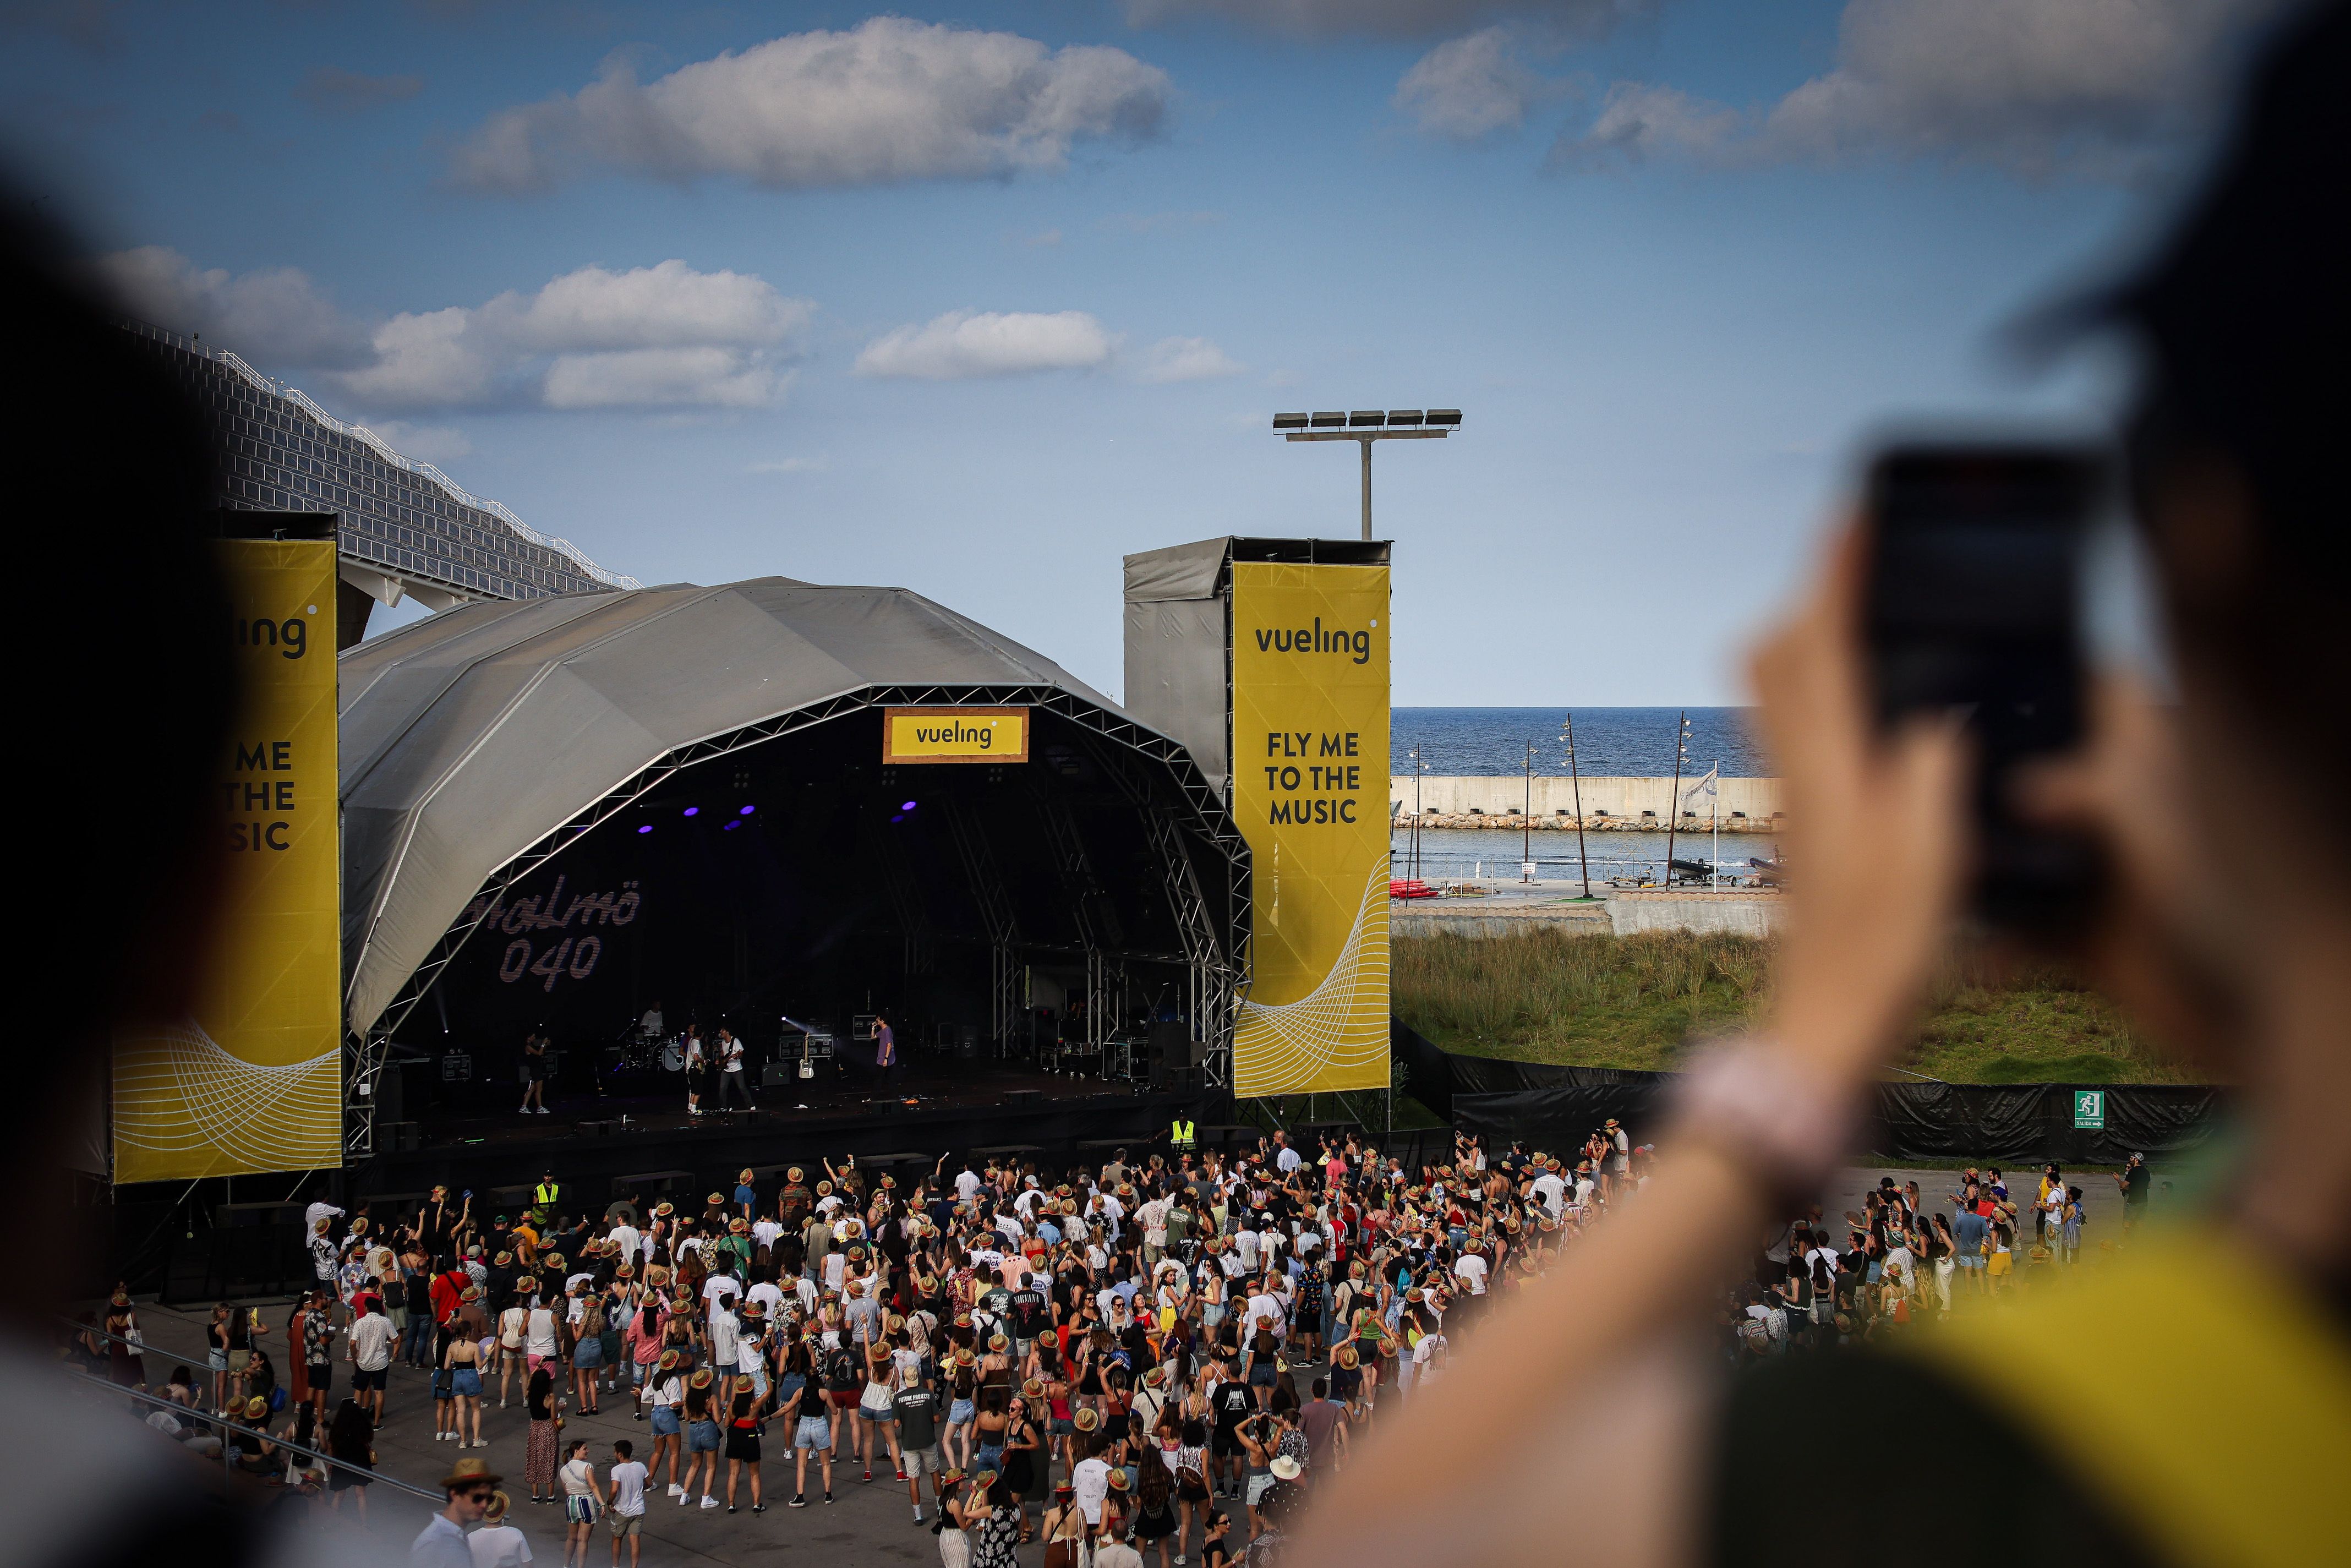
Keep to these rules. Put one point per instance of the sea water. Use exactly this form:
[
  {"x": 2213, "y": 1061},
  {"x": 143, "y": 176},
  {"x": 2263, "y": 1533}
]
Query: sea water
[{"x": 1609, "y": 742}]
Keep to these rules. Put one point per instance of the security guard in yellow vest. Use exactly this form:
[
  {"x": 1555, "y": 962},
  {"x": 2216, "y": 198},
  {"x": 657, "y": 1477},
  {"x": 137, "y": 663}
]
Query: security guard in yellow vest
[
  {"x": 1180, "y": 1135},
  {"x": 549, "y": 1191}
]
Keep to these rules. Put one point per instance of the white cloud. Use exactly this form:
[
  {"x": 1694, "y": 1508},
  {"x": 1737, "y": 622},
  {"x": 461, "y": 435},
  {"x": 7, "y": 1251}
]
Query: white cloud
[
  {"x": 275, "y": 314},
  {"x": 891, "y": 100},
  {"x": 662, "y": 378},
  {"x": 2085, "y": 86},
  {"x": 1641, "y": 121},
  {"x": 425, "y": 443},
  {"x": 1186, "y": 359},
  {"x": 788, "y": 466},
  {"x": 650, "y": 337},
  {"x": 961, "y": 345},
  {"x": 1393, "y": 18},
  {"x": 1470, "y": 87}
]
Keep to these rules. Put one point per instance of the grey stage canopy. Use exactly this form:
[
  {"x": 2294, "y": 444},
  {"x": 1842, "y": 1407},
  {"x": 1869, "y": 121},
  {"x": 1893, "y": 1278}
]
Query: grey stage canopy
[{"x": 479, "y": 742}]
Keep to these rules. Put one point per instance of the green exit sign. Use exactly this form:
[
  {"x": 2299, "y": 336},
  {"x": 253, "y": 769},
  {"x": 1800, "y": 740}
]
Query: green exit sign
[{"x": 2090, "y": 1108}]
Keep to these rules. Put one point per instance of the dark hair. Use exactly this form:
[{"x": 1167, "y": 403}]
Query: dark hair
[
  {"x": 622, "y": 1447},
  {"x": 2245, "y": 324}
]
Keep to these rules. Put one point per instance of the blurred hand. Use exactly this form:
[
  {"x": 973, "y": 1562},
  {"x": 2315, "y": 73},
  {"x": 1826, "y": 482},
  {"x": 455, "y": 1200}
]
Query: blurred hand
[
  {"x": 2127, "y": 788},
  {"x": 1877, "y": 840}
]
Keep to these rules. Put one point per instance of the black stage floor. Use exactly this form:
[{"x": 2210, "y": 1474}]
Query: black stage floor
[{"x": 637, "y": 1136}]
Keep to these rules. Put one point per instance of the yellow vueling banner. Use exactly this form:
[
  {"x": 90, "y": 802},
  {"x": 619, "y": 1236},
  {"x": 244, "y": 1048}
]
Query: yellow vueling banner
[
  {"x": 1311, "y": 793},
  {"x": 253, "y": 1081}
]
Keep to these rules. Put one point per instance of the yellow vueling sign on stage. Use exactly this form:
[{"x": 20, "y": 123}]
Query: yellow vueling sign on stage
[
  {"x": 1310, "y": 750},
  {"x": 253, "y": 1080},
  {"x": 955, "y": 735}
]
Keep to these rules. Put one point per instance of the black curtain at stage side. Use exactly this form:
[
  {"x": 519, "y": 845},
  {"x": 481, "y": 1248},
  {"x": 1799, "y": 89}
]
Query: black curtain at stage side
[{"x": 1556, "y": 1108}]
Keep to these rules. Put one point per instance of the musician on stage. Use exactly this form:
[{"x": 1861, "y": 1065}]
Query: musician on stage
[
  {"x": 885, "y": 1050},
  {"x": 697, "y": 1070},
  {"x": 650, "y": 1026}
]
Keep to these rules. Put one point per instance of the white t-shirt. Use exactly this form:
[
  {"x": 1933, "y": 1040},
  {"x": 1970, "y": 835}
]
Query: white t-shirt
[
  {"x": 770, "y": 1297},
  {"x": 498, "y": 1546},
  {"x": 1550, "y": 1191},
  {"x": 1092, "y": 1480},
  {"x": 628, "y": 1488},
  {"x": 1470, "y": 1270},
  {"x": 966, "y": 1186},
  {"x": 765, "y": 1231},
  {"x": 734, "y": 1054},
  {"x": 578, "y": 1478},
  {"x": 628, "y": 1239},
  {"x": 1288, "y": 1160}
]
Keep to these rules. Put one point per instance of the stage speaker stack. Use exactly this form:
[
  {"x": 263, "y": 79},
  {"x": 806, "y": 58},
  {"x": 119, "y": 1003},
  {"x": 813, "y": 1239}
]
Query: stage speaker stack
[
  {"x": 778, "y": 1075},
  {"x": 398, "y": 1137},
  {"x": 1173, "y": 1053}
]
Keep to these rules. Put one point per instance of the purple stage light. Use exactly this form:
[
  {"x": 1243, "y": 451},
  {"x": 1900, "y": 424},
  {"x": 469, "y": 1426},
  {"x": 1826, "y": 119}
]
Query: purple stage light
[
  {"x": 693, "y": 810},
  {"x": 908, "y": 806},
  {"x": 746, "y": 810},
  {"x": 730, "y": 827},
  {"x": 646, "y": 828}
]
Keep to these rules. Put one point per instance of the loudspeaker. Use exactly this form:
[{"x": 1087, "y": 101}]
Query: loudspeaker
[
  {"x": 966, "y": 1044},
  {"x": 398, "y": 1137},
  {"x": 778, "y": 1075}
]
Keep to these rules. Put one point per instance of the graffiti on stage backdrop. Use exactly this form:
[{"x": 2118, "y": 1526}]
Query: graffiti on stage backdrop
[{"x": 552, "y": 935}]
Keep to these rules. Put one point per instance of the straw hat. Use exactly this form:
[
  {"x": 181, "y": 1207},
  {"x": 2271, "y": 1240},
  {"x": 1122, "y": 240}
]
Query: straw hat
[
  {"x": 502, "y": 1258},
  {"x": 1121, "y": 1479},
  {"x": 1086, "y": 1418},
  {"x": 664, "y": 1209},
  {"x": 1347, "y": 1357},
  {"x": 469, "y": 1473},
  {"x": 470, "y": 1294},
  {"x": 963, "y": 1357},
  {"x": 982, "y": 1481},
  {"x": 1286, "y": 1469},
  {"x": 744, "y": 1174},
  {"x": 1155, "y": 1378},
  {"x": 256, "y": 1407},
  {"x": 889, "y": 1182},
  {"x": 737, "y": 1226},
  {"x": 1065, "y": 1489},
  {"x": 625, "y": 1272},
  {"x": 526, "y": 1284},
  {"x": 893, "y": 1322},
  {"x": 824, "y": 1189},
  {"x": 669, "y": 1359},
  {"x": 716, "y": 1201},
  {"x": 1034, "y": 1388},
  {"x": 950, "y": 1479},
  {"x": 700, "y": 1378},
  {"x": 856, "y": 1287},
  {"x": 997, "y": 1341},
  {"x": 499, "y": 1504}
]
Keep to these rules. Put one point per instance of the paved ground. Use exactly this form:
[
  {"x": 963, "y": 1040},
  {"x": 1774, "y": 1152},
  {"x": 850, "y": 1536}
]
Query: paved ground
[{"x": 867, "y": 1525}]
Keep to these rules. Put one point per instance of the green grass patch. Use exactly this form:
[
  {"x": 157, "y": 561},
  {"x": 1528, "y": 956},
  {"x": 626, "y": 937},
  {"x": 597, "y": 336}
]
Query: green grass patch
[{"x": 1600, "y": 1000}]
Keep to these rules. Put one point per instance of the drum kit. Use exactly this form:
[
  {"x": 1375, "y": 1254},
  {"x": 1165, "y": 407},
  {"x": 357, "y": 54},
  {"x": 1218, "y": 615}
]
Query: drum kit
[{"x": 642, "y": 1051}]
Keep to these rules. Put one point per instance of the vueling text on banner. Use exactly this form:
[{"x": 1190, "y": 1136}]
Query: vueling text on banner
[
  {"x": 253, "y": 1081},
  {"x": 1309, "y": 791},
  {"x": 955, "y": 735}
]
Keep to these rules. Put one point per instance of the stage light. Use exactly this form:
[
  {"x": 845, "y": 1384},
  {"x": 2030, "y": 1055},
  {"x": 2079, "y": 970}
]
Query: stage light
[
  {"x": 646, "y": 828},
  {"x": 746, "y": 810},
  {"x": 732, "y": 826},
  {"x": 908, "y": 806},
  {"x": 693, "y": 811},
  {"x": 1367, "y": 418},
  {"x": 1290, "y": 422}
]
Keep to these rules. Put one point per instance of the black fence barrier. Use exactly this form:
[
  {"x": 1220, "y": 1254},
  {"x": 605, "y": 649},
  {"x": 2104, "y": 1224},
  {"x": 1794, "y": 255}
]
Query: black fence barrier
[{"x": 1556, "y": 1108}]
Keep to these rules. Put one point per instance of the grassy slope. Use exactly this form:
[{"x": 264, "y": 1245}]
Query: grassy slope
[{"x": 1608, "y": 1001}]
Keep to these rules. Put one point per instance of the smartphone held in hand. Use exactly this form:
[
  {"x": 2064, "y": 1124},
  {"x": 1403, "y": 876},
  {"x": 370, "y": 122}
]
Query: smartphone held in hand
[{"x": 1973, "y": 606}]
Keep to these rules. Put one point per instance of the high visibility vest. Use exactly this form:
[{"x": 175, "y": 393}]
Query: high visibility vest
[
  {"x": 548, "y": 1193},
  {"x": 1182, "y": 1132}
]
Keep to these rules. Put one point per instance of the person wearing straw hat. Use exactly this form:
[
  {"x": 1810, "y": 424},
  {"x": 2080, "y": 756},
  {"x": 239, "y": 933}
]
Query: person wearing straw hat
[
  {"x": 702, "y": 1437},
  {"x": 471, "y": 1486},
  {"x": 498, "y": 1543},
  {"x": 666, "y": 1400}
]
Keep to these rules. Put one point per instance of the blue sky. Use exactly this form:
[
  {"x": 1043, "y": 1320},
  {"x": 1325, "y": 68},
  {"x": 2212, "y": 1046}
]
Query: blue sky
[{"x": 977, "y": 300}]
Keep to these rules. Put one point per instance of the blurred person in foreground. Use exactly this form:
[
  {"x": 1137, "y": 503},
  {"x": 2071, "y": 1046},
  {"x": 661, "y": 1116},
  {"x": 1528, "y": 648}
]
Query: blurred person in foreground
[
  {"x": 122, "y": 689},
  {"x": 2188, "y": 1399}
]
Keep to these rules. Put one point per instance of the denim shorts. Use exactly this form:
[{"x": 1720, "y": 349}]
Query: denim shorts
[
  {"x": 468, "y": 1383},
  {"x": 960, "y": 1412},
  {"x": 665, "y": 1421},
  {"x": 812, "y": 1432},
  {"x": 588, "y": 1355},
  {"x": 702, "y": 1437}
]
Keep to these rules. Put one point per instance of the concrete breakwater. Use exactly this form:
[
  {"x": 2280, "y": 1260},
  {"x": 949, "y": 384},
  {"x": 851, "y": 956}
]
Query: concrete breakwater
[{"x": 1610, "y": 804}]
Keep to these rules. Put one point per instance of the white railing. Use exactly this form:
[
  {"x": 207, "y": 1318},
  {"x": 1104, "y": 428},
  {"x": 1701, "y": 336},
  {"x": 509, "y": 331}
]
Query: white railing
[{"x": 377, "y": 444}]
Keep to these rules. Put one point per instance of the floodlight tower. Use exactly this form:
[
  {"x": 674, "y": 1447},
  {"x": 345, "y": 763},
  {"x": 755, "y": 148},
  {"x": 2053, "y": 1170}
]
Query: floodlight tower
[{"x": 1367, "y": 425}]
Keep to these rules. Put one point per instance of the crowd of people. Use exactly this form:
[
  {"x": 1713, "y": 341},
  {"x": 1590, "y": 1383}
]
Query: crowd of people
[{"x": 1160, "y": 1356}]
